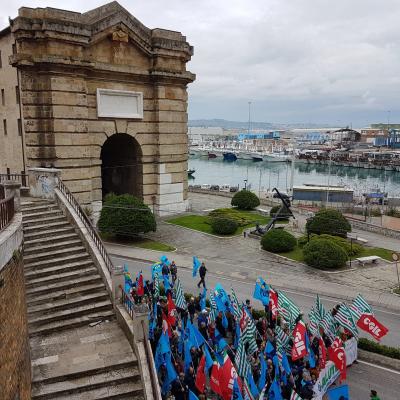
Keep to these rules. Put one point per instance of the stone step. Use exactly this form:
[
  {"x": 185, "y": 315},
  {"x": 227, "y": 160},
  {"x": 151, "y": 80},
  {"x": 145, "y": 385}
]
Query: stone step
[
  {"x": 64, "y": 324},
  {"x": 43, "y": 248},
  {"x": 69, "y": 303},
  {"x": 57, "y": 261},
  {"x": 81, "y": 387},
  {"x": 27, "y": 215},
  {"x": 66, "y": 314},
  {"x": 38, "y": 272},
  {"x": 69, "y": 251},
  {"x": 50, "y": 238},
  {"x": 62, "y": 276},
  {"x": 44, "y": 221},
  {"x": 48, "y": 234},
  {"x": 46, "y": 226},
  {"x": 34, "y": 203},
  {"x": 33, "y": 208},
  {"x": 52, "y": 295},
  {"x": 63, "y": 286}
]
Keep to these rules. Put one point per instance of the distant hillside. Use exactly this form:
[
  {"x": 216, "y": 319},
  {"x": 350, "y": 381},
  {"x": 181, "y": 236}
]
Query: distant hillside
[{"x": 225, "y": 124}]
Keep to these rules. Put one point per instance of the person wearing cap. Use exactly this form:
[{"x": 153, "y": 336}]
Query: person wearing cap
[{"x": 374, "y": 395}]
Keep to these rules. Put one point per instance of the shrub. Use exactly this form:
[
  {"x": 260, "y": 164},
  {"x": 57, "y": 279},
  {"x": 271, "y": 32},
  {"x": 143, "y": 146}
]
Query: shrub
[
  {"x": 283, "y": 215},
  {"x": 278, "y": 241},
  {"x": 393, "y": 212},
  {"x": 245, "y": 200},
  {"x": 323, "y": 253},
  {"x": 350, "y": 249},
  {"x": 230, "y": 213},
  {"x": 223, "y": 226},
  {"x": 369, "y": 345},
  {"x": 125, "y": 215},
  {"x": 328, "y": 221}
]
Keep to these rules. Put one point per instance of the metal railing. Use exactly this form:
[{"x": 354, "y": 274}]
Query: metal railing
[
  {"x": 88, "y": 224},
  {"x": 7, "y": 211},
  {"x": 129, "y": 304},
  {"x": 21, "y": 178}
]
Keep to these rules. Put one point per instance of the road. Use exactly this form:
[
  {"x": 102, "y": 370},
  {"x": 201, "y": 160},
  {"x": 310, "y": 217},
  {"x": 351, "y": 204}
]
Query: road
[{"x": 361, "y": 377}]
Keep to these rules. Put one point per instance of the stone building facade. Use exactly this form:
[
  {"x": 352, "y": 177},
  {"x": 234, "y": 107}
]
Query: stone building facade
[{"x": 104, "y": 99}]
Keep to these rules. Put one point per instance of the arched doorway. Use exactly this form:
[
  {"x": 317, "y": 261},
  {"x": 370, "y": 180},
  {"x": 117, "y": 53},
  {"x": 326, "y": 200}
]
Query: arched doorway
[{"x": 121, "y": 170}]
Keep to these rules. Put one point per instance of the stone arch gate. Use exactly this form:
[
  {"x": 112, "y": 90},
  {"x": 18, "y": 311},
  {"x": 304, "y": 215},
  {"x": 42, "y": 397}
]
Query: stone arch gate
[{"x": 87, "y": 77}]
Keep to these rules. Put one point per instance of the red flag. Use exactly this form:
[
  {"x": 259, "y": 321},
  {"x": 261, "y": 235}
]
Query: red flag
[
  {"x": 171, "y": 310},
  {"x": 165, "y": 325},
  {"x": 370, "y": 324},
  {"x": 299, "y": 349},
  {"x": 338, "y": 356},
  {"x": 227, "y": 375},
  {"x": 322, "y": 353},
  {"x": 201, "y": 376},
  {"x": 215, "y": 379},
  {"x": 273, "y": 302},
  {"x": 140, "y": 287}
]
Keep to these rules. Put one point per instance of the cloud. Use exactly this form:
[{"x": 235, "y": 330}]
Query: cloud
[{"x": 295, "y": 58}]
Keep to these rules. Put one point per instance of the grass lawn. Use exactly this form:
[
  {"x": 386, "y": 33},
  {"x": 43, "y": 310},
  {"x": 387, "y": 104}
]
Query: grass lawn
[
  {"x": 201, "y": 222},
  {"x": 138, "y": 241},
  {"x": 297, "y": 253}
]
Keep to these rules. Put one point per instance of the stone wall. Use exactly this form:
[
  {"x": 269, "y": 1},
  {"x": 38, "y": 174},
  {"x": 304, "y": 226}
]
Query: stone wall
[
  {"x": 15, "y": 365},
  {"x": 11, "y": 154},
  {"x": 106, "y": 48}
]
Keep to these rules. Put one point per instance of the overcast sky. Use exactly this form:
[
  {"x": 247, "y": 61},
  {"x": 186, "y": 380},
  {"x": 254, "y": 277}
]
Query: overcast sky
[{"x": 334, "y": 61}]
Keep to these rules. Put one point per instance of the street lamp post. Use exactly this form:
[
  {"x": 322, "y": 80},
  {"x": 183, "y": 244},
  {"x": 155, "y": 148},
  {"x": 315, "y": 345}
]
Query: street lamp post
[
  {"x": 395, "y": 258},
  {"x": 245, "y": 184},
  {"x": 351, "y": 237}
]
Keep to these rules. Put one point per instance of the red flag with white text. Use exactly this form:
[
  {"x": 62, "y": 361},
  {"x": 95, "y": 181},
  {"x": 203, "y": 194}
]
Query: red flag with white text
[
  {"x": 370, "y": 324},
  {"x": 215, "y": 378},
  {"x": 201, "y": 376},
  {"x": 273, "y": 302},
  {"x": 171, "y": 310},
  {"x": 228, "y": 375},
  {"x": 338, "y": 356},
  {"x": 299, "y": 349}
]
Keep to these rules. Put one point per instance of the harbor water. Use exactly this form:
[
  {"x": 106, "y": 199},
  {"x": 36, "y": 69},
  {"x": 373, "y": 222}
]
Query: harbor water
[{"x": 263, "y": 176}]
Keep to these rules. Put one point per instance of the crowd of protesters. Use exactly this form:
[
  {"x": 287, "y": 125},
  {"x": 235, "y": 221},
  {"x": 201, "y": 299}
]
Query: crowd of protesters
[{"x": 272, "y": 335}]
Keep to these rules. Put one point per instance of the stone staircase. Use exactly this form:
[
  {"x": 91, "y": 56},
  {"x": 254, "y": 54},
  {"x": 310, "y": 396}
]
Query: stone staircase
[{"x": 78, "y": 351}]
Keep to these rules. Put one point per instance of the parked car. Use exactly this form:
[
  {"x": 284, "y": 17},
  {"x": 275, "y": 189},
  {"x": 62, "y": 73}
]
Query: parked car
[
  {"x": 205, "y": 186},
  {"x": 225, "y": 188},
  {"x": 214, "y": 187},
  {"x": 233, "y": 189}
]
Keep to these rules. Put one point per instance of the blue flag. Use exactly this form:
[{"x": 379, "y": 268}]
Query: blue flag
[
  {"x": 163, "y": 343},
  {"x": 276, "y": 365},
  {"x": 196, "y": 266},
  {"x": 221, "y": 295},
  {"x": 221, "y": 342},
  {"x": 285, "y": 363},
  {"x": 158, "y": 358},
  {"x": 164, "y": 260},
  {"x": 275, "y": 391},
  {"x": 195, "y": 336},
  {"x": 263, "y": 374},
  {"x": 156, "y": 268},
  {"x": 260, "y": 293},
  {"x": 269, "y": 349},
  {"x": 188, "y": 356},
  {"x": 170, "y": 375},
  {"x": 236, "y": 395},
  {"x": 252, "y": 385},
  {"x": 209, "y": 360},
  {"x": 237, "y": 335},
  {"x": 192, "y": 396},
  {"x": 203, "y": 299}
]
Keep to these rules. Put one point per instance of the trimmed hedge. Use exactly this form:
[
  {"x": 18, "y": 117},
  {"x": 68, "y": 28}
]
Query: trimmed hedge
[
  {"x": 278, "y": 241},
  {"x": 323, "y": 253},
  {"x": 125, "y": 215},
  {"x": 373, "y": 347},
  {"x": 230, "y": 213},
  {"x": 223, "y": 226},
  {"x": 245, "y": 200},
  {"x": 328, "y": 221}
]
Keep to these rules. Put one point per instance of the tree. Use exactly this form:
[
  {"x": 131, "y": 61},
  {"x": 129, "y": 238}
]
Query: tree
[
  {"x": 331, "y": 222},
  {"x": 278, "y": 241},
  {"x": 245, "y": 200},
  {"x": 223, "y": 226},
  {"x": 324, "y": 253},
  {"x": 125, "y": 215}
]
